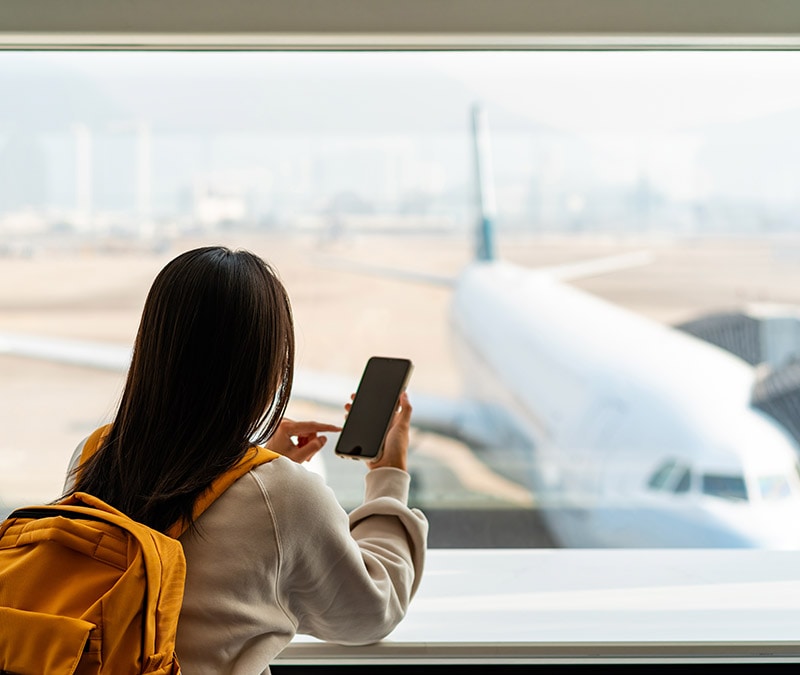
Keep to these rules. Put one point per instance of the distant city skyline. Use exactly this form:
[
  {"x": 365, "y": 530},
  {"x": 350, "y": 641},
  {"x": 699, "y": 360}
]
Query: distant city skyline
[{"x": 582, "y": 140}]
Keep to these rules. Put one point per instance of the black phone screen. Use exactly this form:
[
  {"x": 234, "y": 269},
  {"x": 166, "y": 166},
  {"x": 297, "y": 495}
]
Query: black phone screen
[{"x": 365, "y": 427}]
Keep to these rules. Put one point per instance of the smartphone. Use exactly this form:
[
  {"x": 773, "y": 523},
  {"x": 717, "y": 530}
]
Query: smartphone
[{"x": 383, "y": 381}]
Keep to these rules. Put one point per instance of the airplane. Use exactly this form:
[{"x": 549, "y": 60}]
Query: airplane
[{"x": 629, "y": 433}]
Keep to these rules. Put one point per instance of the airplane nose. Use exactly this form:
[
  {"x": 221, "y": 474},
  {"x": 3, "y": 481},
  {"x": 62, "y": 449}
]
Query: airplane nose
[{"x": 777, "y": 526}]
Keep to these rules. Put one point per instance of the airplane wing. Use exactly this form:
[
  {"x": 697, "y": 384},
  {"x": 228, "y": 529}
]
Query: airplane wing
[
  {"x": 453, "y": 417},
  {"x": 597, "y": 266},
  {"x": 566, "y": 272},
  {"x": 86, "y": 353}
]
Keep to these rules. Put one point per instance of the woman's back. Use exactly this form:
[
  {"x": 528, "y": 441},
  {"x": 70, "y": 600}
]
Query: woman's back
[
  {"x": 273, "y": 557},
  {"x": 211, "y": 374}
]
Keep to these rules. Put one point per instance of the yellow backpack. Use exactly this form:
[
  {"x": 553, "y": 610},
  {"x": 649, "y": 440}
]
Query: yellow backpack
[{"x": 84, "y": 589}]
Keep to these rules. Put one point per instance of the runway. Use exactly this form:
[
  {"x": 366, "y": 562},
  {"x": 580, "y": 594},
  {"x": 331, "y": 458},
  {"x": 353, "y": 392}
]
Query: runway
[{"x": 342, "y": 318}]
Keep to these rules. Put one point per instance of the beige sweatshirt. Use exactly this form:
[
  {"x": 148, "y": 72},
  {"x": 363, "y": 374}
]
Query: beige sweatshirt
[{"x": 277, "y": 555}]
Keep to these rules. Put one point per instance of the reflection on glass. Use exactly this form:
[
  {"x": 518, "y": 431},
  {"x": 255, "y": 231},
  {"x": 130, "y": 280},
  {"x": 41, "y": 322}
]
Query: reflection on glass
[
  {"x": 774, "y": 487},
  {"x": 590, "y": 257}
]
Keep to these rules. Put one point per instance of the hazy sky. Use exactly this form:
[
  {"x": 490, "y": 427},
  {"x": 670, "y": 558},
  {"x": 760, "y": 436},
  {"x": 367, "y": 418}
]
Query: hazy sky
[
  {"x": 633, "y": 91},
  {"x": 598, "y": 92},
  {"x": 668, "y": 116}
]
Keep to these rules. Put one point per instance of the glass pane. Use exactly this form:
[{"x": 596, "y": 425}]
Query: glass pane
[
  {"x": 774, "y": 487},
  {"x": 727, "y": 487},
  {"x": 641, "y": 303},
  {"x": 659, "y": 478},
  {"x": 684, "y": 483}
]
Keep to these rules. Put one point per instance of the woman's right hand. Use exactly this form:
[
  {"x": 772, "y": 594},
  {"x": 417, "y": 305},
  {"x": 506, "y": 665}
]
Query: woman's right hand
[
  {"x": 395, "y": 447},
  {"x": 299, "y": 441}
]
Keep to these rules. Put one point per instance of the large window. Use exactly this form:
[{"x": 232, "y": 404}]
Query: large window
[{"x": 655, "y": 193}]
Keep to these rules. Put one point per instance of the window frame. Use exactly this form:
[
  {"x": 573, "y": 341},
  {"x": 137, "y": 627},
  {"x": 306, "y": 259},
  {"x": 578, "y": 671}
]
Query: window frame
[
  {"x": 444, "y": 25},
  {"x": 414, "y": 24}
]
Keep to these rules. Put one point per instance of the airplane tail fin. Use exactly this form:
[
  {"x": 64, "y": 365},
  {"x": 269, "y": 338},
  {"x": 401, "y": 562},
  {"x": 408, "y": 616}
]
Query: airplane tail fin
[
  {"x": 486, "y": 206},
  {"x": 484, "y": 181}
]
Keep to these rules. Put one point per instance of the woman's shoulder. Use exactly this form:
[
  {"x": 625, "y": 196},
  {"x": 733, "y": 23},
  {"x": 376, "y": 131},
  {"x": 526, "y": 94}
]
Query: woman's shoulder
[
  {"x": 277, "y": 492},
  {"x": 285, "y": 482},
  {"x": 283, "y": 468}
]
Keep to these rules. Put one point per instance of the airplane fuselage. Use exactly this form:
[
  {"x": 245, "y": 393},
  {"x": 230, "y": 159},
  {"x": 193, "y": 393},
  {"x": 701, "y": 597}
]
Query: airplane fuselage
[{"x": 602, "y": 399}]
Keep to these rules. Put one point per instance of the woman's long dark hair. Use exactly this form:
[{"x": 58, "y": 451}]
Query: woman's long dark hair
[{"x": 211, "y": 374}]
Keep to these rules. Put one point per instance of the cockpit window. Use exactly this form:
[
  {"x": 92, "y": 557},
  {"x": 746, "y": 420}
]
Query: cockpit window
[
  {"x": 684, "y": 482},
  {"x": 726, "y": 487},
  {"x": 774, "y": 487},
  {"x": 671, "y": 476},
  {"x": 659, "y": 478}
]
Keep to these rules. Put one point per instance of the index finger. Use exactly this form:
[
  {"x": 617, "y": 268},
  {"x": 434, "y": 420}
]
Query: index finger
[{"x": 311, "y": 427}]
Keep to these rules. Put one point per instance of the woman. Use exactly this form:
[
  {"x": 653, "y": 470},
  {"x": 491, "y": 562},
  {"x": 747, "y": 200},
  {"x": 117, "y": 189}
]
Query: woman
[{"x": 275, "y": 554}]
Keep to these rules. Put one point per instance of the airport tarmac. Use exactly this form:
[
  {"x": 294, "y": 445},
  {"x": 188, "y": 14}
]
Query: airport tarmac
[{"x": 342, "y": 318}]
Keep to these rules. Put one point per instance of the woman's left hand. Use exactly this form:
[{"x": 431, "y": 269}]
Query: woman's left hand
[{"x": 299, "y": 441}]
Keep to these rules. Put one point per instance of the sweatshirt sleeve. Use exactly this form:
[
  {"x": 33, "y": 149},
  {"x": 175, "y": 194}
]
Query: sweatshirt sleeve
[{"x": 349, "y": 578}]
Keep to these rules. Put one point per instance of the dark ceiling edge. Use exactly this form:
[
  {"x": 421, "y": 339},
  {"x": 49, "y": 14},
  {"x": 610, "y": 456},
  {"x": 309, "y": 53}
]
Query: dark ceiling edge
[{"x": 410, "y": 24}]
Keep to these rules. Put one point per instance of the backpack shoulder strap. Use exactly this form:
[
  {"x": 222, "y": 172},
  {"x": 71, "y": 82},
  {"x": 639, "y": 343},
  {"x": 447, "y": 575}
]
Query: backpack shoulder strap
[
  {"x": 93, "y": 442},
  {"x": 254, "y": 457}
]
